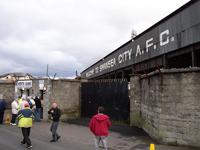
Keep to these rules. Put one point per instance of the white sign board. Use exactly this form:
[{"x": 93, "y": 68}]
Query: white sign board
[
  {"x": 41, "y": 84},
  {"x": 24, "y": 84}
]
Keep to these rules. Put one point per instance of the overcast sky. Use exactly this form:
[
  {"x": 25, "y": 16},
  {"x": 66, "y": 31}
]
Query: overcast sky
[{"x": 70, "y": 35}]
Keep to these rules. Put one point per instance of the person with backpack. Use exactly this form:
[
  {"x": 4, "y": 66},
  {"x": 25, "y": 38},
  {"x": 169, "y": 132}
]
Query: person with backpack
[
  {"x": 55, "y": 115},
  {"x": 99, "y": 126},
  {"x": 25, "y": 122}
]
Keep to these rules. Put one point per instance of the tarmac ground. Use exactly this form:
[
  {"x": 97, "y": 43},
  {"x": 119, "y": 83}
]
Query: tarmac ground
[{"x": 77, "y": 137}]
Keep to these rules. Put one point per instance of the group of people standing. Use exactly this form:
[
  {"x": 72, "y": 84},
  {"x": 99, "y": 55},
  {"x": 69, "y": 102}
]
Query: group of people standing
[{"x": 19, "y": 104}]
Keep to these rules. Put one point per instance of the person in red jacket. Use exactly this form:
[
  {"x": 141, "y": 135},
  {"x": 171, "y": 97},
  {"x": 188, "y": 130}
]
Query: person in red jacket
[{"x": 99, "y": 126}]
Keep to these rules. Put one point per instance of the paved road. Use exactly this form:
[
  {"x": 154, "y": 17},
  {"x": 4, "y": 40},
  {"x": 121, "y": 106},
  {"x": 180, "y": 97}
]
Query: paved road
[
  {"x": 74, "y": 137},
  {"x": 10, "y": 138}
]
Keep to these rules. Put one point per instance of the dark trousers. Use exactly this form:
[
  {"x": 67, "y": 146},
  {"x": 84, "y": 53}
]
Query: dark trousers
[
  {"x": 1, "y": 116},
  {"x": 14, "y": 116},
  {"x": 54, "y": 127},
  {"x": 37, "y": 114},
  {"x": 26, "y": 134}
]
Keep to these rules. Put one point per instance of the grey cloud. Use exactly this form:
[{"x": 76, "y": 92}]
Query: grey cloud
[{"x": 70, "y": 35}]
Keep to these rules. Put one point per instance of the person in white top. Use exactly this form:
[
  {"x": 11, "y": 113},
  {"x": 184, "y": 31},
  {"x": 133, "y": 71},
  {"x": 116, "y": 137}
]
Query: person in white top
[{"x": 14, "y": 106}]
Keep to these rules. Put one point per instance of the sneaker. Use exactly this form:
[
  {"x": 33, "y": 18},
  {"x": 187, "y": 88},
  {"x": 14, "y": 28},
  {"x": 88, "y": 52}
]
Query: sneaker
[
  {"x": 53, "y": 141},
  {"x": 23, "y": 143},
  {"x": 14, "y": 124},
  {"x": 58, "y": 138},
  {"x": 29, "y": 146}
]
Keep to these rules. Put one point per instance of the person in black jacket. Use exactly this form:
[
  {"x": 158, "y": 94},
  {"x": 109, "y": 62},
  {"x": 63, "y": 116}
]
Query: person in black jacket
[
  {"x": 38, "y": 109},
  {"x": 2, "y": 110},
  {"x": 55, "y": 115}
]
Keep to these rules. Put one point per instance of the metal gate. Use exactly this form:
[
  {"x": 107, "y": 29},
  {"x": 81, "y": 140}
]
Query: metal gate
[{"x": 111, "y": 94}]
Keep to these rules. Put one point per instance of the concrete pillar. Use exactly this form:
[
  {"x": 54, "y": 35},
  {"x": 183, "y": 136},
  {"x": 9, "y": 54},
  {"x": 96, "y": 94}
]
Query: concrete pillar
[{"x": 135, "y": 101}]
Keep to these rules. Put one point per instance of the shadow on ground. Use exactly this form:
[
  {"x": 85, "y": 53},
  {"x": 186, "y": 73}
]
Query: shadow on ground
[{"x": 123, "y": 129}]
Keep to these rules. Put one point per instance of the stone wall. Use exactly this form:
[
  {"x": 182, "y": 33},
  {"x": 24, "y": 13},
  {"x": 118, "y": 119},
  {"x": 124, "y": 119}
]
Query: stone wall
[
  {"x": 166, "y": 104},
  {"x": 67, "y": 94},
  {"x": 7, "y": 89}
]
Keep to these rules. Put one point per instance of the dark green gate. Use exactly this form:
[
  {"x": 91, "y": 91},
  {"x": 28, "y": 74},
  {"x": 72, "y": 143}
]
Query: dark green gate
[{"x": 111, "y": 94}]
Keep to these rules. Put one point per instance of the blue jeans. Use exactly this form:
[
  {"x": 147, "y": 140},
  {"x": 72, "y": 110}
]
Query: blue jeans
[{"x": 38, "y": 114}]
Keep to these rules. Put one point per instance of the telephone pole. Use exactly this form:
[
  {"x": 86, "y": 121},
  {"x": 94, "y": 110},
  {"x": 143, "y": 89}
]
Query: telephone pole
[{"x": 47, "y": 73}]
